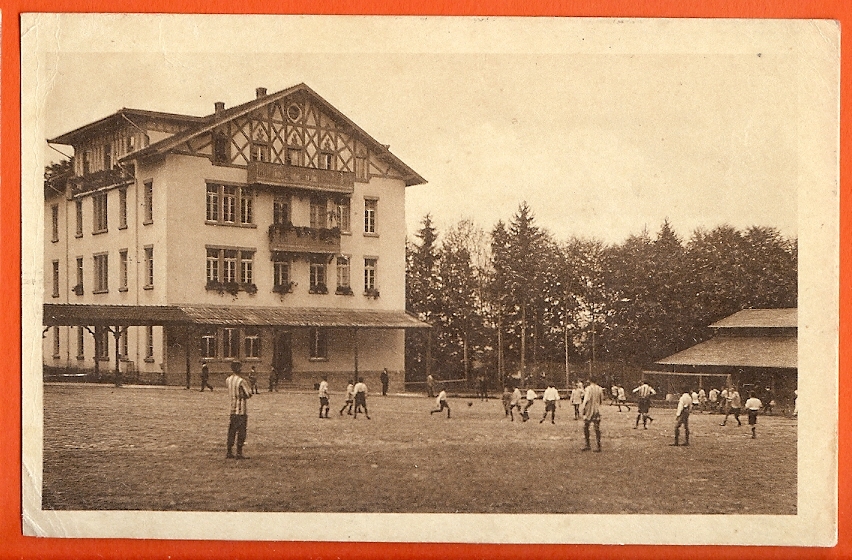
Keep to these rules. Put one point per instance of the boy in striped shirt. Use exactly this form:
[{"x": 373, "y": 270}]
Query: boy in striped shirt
[
  {"x": 239, "y": 392},
  {"x": 644, "y": 392}
]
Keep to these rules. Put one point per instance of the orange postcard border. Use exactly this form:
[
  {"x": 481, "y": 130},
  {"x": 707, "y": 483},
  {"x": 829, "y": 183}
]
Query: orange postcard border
[{"x": 14, "y": 545}]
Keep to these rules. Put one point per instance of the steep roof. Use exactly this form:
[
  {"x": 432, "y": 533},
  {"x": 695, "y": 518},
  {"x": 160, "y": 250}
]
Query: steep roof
[
  {"x": 740, "y": 351},
  {"x": 760, "y": 318},
  {"x": 211, "y": 122},
  {"x": 71, "y": 137}
]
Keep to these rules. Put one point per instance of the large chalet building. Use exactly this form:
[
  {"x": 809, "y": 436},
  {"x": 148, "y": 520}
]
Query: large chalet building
[{"x": 272, "y": 232}]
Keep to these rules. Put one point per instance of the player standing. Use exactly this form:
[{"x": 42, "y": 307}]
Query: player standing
[
  {"x": 531, "y": 397},
  {"x": 360, "y": 391},
  {"x": 577, "y": 399},
  {"x": 753, "y": 406},
  {"x": 551, "y": 395},
  {"x": 592, "y": 402},
  {"x": 323, "y": 398},
  {"x": 683, "y": 407}
]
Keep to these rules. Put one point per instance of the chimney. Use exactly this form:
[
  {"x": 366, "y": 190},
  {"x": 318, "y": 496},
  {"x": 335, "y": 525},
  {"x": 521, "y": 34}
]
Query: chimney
[
  {"x": 219, "y": 106},
  {"x": 260, "y": 92}
]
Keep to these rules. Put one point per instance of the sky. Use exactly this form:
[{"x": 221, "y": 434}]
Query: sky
[{"x": 603, "y": 127}]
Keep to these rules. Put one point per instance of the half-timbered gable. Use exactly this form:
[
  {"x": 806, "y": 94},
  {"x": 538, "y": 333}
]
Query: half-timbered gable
[{"x": 294, "y": 127}]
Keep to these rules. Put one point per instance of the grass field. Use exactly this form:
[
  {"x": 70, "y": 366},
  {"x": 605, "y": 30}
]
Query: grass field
[{"x": 163, "y": 449}]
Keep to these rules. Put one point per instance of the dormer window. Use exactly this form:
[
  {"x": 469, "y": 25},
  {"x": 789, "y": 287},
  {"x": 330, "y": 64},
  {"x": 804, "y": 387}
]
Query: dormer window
[
  {"x": 294, "y": 156},
  {"x": 260, "y": 152},
  {"x": 326, "y": 161}
]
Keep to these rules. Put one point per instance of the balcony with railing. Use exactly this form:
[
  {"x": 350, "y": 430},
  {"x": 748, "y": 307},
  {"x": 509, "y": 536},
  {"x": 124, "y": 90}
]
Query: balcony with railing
[
  {"x": 101, "y": 179},
  {"x": 287, "y": 238},
  {"x": 278, "y": 175}
]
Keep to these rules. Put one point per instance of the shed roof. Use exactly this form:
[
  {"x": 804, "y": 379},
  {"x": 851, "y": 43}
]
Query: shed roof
[
  {"x": 760, "y": 318},
  {"x": 79, "y": 314},
  {"x": 740, "y": 351}
]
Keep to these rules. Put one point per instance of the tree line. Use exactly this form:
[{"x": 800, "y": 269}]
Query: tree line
[{"x": 517, "y": 301}]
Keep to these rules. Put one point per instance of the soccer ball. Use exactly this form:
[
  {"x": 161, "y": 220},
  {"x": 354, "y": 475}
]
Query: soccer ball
[{"x": 469, "y": 403}]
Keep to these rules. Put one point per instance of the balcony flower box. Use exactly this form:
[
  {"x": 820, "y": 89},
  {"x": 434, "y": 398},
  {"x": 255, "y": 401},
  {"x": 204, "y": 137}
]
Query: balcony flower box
[
  {"x": 372, "y": 293},
  {"x": 78, "y": 289},
  {"x": 344, "y": 291},
  {"x": 318, "y": 289},
  {"x": 283, "y": 288}
]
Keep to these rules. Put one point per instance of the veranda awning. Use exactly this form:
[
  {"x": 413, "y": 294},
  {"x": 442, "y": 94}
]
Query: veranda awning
[{"x": 82, "y": 314}]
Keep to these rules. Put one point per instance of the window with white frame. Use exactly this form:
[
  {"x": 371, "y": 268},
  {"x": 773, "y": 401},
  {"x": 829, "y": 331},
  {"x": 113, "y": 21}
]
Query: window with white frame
[
  {"x": 149, "y": 343},
  {"x": 149, "y": 202},
  {"x": 101, "y": 273},
  {"x": 55, "y": 278},
  {"x": 208, "y": 344},
  {"x": 343, "y": 279},
  {"x": 246, "y": 267},
  {"x": 212, "y": 203},
  {"x": 230, "y": 343},
  {"x": 229, "y": 205},
  {"x": 213, "y": 265},
  {"x": 78, "y": 206},
  {"x": 149, "y": 267},
  {"x": 319, "y": 344},
  {"x": 370, "y": 274},
  {"x": 319, "y": 213},
  {"x": 318, "y": 276},
  {"x": 326, "y": 160},
  {"x": 99, "y": 203},
  {"x": 344, "y": 212},
  {"x": 281, "y": 274},
  {"x": 122, "y": 270},
  {"x": 229, "y": 265},
  {"x": 246, "y": 207},
  {"x": 122, "y": 208},
  {"x": 252, "y": 344},
  {"x": 54, "y": 223},
  {"x": 370, "y": 210}
]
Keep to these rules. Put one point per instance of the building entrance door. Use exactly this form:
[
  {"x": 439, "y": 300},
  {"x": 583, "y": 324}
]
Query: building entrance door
[{"x": 283, "y": 355}]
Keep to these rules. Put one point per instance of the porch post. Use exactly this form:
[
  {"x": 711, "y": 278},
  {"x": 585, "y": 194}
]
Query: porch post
[
  {"x": 355, "y": 344},
  {"x": 186, "y": 346},
  {"x": 95, "y": 334},
  {"x": 117, "y": 333},
  {"x": 428, "y": 352}
]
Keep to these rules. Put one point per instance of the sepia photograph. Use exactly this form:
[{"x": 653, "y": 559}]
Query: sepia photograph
[{"x": 435, "y": 279}]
